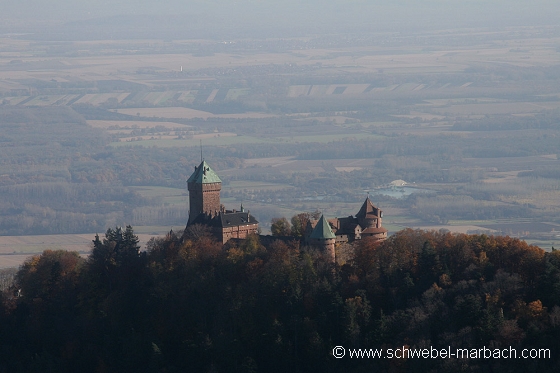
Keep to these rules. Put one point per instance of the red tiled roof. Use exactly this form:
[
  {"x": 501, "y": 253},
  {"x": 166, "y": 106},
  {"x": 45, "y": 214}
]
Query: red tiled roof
[
  {"x": 368, "y": 210},
  {"x": 374, "y": 230}
]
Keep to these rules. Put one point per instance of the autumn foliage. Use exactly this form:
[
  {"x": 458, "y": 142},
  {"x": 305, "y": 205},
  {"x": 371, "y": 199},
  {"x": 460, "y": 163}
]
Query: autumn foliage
[{"x": 188, "y": 304}]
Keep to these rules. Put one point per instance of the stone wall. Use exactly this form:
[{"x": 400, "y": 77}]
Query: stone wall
[
  {"x": 239, "y": 231},
  {"x": 203, "y": 198}
]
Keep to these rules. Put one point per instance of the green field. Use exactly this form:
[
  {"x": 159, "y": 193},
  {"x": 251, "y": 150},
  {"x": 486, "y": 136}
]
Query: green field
[
  {"x": 210, "y": 141},
  {"x": 328, "y": 138},
  {"x": 97, "y": 99},
  {"x": 248, "y": 185},
  {"x": 217, "y": 140},
  {"x": 234, "y": 94},
  {"x": 157, "y": 191},
  {"x": 48, "y": 100},
  {"x": 170, "y": 196}
]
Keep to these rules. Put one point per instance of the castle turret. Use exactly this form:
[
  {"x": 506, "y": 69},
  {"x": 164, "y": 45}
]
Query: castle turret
[
  {"x": 369, "y": 218},
  {"x": 323, "y": 237},
  {"x": 204, "y": 192}
]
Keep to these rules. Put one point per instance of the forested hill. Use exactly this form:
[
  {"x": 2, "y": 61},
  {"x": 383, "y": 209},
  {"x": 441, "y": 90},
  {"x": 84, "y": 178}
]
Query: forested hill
[{"x": 189, "y": 305}]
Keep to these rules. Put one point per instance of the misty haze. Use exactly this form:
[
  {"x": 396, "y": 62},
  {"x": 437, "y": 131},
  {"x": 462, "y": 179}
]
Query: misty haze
[{"x": 366, "y": 174}]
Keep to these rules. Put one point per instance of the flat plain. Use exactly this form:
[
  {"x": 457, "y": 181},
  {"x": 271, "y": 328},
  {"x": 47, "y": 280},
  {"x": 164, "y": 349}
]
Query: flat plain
[
  {"x": 471, "y": 115},
  {"x": 14, "y": 250}
]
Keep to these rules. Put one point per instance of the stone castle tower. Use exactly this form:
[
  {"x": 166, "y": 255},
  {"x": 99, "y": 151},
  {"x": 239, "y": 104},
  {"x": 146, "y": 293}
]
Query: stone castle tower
[
  {"x": 370, "y": 220},
  {"x": 205, "y": 208},
  {"x": 204, "y": 192},
  {"x": 323, "y": 237}
]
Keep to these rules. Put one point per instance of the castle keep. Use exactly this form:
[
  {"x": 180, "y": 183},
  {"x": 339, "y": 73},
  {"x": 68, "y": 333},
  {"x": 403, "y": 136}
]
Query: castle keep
[{"x": 204, "y": 187}]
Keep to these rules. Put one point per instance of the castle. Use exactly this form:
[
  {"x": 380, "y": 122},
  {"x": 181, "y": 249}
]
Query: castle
[
  {"x": 204, "y": 187},
  {"x": 366, "y": 223},
  {"x": 326, "y": 234},
  {"x": 205, "y": 208}
]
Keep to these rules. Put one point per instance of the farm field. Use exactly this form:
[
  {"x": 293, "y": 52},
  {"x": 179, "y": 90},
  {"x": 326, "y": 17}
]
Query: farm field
[
  {"x": 122, "y": 124},
  {"x": 452, "y": 228},
  {"x": 167, "y": 141},
  {"x": 525, "y": 230},
  {"x": 15, "y": 100},
  {"x": 168, "y": 112},
  {"x": 544, "y": 244},
  {"x": 171, "y": 196},
  {"x": 496, "y": 108},
  {"x": 14, "y": 250},
  {"x": 283, "y": 164},
  {"x": 12, "y": 260},
  {"x": 229, "y": 138},
  {"x": 158, "y": 191},
  {"x": 38, "y": 243},
  {"x": 327, "y": 138},
  {"x": 173, "y": 136},
  {"x": 516, "y": 228},
  {"x": 186, "y": 113},
  {"x": 290, "y": 125},
  {"x": 251, "y": 186},
  {"x": 46, "y": 100},
  {"x": 97, "y": 99}
]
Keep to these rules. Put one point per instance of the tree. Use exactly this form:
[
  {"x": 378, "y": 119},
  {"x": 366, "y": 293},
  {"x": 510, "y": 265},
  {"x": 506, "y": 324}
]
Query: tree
[
  {"x": 357, "y": 311},
  {"x": 112, "y": 262},
  {"x": 429, "y": 265},
  {"x": 197, "y": 231},
  {"x": 299, "y": 223},
  {"x": 49, "y": 274},
  {"x": 280, "y": 227}
]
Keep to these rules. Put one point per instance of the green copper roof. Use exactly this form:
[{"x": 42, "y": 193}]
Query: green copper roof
[
  {"x": 322, "y": 230},
  {"x": 203, "y": 174}
]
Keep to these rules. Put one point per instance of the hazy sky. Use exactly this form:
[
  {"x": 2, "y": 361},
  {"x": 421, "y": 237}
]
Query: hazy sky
[{"x": 311, "y": 16}]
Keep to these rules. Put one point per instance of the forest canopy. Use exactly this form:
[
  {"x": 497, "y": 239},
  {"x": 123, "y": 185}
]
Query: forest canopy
[{"x": 189, "y": 304}]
